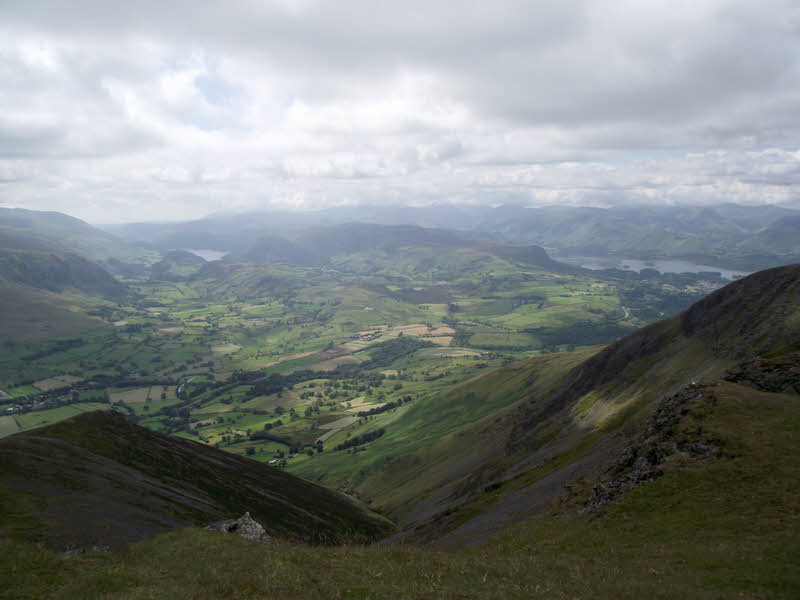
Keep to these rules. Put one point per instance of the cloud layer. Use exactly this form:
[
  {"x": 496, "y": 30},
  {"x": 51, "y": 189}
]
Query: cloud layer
[{"x": 144, "y": 112}]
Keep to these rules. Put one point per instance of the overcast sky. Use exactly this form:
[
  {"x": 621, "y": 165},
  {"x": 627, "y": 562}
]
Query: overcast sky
[{"x": 146, "y": 110}]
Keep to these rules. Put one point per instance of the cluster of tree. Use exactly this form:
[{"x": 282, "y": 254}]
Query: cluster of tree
[
  {"x": 195, "y": 388},
  {"x": 176, "y": 412},
  {"x": 384, "y": 408},
  {"x": 385, "y": 353},
  {"x": 59, "y": 346},
  {"x": 360, "y": 440},
  {"x": 276, "y": 383},
  {"x": 649, "y": 299},
  {"x": 266, "y": 435}
]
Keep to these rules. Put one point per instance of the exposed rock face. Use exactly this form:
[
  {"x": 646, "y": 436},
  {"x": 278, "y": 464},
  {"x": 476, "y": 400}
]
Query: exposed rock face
[
  {"x": 245, "y": 526},
  {"x": 780, "y": 374},
  {"x": 640, "y": 463}
]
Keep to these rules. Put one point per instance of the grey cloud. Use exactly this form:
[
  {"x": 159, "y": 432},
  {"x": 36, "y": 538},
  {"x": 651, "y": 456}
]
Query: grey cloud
[{"x": 306, "y": 103}]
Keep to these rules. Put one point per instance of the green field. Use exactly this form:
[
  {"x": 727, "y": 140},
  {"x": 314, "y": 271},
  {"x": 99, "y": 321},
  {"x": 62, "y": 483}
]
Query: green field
[
  {"x": 208, "y": 339},
  {"x": 8, "y": 426},
  {"x": 45, "y": 417}
]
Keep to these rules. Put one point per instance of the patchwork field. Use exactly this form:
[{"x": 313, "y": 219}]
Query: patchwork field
[
  {"x": 52, "y": 383},
  {"x": 266, "y": 360}
]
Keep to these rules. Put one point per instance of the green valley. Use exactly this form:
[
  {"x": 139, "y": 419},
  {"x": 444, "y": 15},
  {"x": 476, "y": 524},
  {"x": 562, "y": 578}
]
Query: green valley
[{"x": 454, "y": 399}]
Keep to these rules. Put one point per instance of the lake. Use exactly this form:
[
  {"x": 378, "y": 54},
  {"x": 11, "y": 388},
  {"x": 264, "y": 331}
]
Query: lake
[
  {"x": 666, "y": 265},
  {"x": 206, "y": 254}
]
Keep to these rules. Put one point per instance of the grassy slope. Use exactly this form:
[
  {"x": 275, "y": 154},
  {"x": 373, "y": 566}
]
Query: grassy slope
[
  {"x": 39, "y": 230},
  {"x": 31, "y": 314},
  {"x": 431, "y": 446},
  {"x": 97, "y": 479},
  {"x": 727, "y": 528},
  {"x": 59, "y": 271},
  {"x": 566, "y": 423}
]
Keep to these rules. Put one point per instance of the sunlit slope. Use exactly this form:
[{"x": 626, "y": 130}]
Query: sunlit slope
[
  {"x": 758, "y": 315},
  {"x": 565, "y": 434},
  {"x": 435, "y": 446},
  {"x": 96, "y": 479},
  {"x": 511, "y": 441}
]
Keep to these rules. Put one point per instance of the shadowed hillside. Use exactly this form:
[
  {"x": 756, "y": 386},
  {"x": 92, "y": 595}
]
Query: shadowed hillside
[
  {"x": 59, "y": 272},
  {"x": 96, "y": 479}
]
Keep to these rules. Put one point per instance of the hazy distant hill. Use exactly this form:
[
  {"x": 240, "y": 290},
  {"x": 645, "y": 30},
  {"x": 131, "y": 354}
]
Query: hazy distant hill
[
  {"x": 780, "y": 236},
  {"x": 37, "y": 230},
  {"x": 731, "y": 235},
  {"x": 57, "y": 272},
  {"x": 728, "y": 235},
  {"x": 337, "y": 245},
  {"x": 176, "y": 265}
]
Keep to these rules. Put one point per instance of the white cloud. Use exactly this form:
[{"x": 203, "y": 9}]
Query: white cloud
[{"x": 148, "y": 111}]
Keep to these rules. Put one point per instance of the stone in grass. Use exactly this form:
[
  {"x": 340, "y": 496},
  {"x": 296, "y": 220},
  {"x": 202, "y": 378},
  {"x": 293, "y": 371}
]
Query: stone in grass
[{"x": 245, "y": 526}]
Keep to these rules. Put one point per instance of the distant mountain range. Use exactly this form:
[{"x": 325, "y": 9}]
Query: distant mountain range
[{"x": 727, "y": 235}]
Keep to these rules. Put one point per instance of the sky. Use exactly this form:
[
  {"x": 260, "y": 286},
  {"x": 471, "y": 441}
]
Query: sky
[{"x": 154, "y": 111}]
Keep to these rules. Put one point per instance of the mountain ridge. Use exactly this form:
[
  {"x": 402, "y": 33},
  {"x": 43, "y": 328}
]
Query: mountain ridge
[{"x": 95, "y": 479}]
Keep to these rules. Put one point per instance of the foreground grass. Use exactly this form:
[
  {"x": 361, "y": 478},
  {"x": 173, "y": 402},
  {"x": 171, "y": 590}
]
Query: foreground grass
[{"x": 724, "y": 529}]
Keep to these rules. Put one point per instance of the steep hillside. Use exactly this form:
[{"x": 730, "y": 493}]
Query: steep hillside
[
  {"x": 36, "y": 230},
  {"x": 551, "y": 421},
  {"x": 96, "y": 479},
  {"x": 57, "y": 272},
  {"x": 31, "y": 314},
  {"x": 720, "y": 527},
  {"x": 563, "y": 435}
]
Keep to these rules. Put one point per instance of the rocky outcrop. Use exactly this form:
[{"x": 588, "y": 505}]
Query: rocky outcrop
[
  {"x": 642, "y": 461},
  {"x": 780, "y": 375},
  {"x": 245, "y": 526}
]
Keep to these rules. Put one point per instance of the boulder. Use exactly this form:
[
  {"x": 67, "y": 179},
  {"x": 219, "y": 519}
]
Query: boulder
[{"x": 245, "y": 526}]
